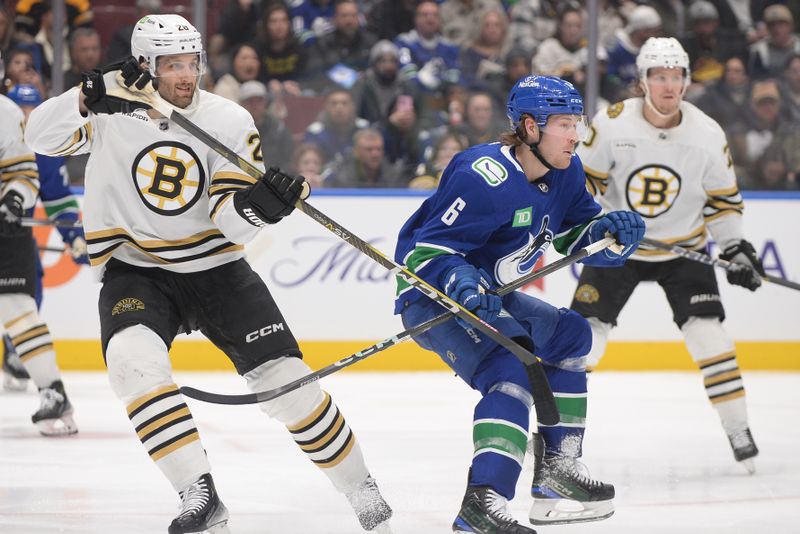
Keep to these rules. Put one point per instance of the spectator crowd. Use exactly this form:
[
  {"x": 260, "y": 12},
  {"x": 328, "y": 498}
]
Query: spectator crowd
[{"x": 397, "y": 87}]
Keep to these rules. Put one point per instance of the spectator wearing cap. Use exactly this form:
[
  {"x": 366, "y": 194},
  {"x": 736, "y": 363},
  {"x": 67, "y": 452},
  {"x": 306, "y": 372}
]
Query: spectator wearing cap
[
  {"x": 245, "y": 67},
  {"x": 708, "y": 46},
  {"x": 789, "y": 84},
  {"x": 366, "y": 166},
  {"x": 275, "y": 145},
  {"x": 380, "y": 84},
  {"x": 644, "y": 22},
  {"x": 84, "y": 54},
  {"x": 768, "y": 56},
  {"x": 343, "y": 51},
  {"x": 120, "y": 45}
]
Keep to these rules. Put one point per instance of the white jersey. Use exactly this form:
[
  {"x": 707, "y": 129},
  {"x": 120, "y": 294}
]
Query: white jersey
[
  {"x": 17, "y": 162},
  {"x": 155, "y": 195},
  {"x": 680, "y": 180}
]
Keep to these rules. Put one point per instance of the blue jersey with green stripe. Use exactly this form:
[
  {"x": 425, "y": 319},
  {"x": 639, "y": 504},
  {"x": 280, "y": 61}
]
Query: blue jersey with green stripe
[{"x": 486, "y": 213}]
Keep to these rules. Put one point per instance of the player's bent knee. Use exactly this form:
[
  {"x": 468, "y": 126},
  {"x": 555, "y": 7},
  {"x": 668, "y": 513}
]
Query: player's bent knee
[
  {"x": 514, "y": 391},
  {"x": 706, "y": 338},
  {"x": 293, "y": 406},
  {"x": 575, "y": 350},
  {"x": 138, "y": 361}
]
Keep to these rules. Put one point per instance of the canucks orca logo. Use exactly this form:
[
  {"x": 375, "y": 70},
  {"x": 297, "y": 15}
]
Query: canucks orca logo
[
  {"x": 168, "y": 177},
  {"x": 522, "y": 260}
]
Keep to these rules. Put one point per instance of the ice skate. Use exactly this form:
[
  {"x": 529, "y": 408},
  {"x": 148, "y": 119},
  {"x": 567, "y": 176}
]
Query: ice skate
[
  {"x": 563, "y": 492},
  {"x": 15, "y": 377},
  {"x": 201, "y": 510},
  {"x": 744, "y": 448},
  {"x": 370, "y": 507},
  {"x": 54, "y": 416},
  {"x": 484, "y": 511}
]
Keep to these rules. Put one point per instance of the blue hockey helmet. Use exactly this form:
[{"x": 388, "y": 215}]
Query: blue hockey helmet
[
  {"x": 25, "y": 95},
  {"x": 542, "y": 96}
]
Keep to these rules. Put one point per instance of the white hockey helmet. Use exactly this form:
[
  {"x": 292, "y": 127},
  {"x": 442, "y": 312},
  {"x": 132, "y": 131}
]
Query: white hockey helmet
[
  {"x": 164, "y": 35},
  {"x": 662, "y": 52}
]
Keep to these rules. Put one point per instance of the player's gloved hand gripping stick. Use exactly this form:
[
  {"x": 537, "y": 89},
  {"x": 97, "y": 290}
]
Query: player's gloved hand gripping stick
[
  {"x": 263, "y": 396},
  {"x": 709, "y": 260},
  {"x": 546, "y": 409}
]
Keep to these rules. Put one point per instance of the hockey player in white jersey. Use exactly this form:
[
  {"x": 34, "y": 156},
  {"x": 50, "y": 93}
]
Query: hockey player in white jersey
[
  {"x": 27, "y": 332},
  {"x": 669, "y": 161},
  {"x": 165, "y": 220}
]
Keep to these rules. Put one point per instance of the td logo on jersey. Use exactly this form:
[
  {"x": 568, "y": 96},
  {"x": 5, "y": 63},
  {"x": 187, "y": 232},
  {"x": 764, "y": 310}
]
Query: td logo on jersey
[
  {"x": 652, "y": 189},
  {"x": 168, "y": 177}
]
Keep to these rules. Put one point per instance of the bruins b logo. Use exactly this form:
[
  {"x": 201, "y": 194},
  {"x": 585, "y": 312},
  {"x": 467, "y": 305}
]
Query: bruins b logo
[
  {"x": 652, "y": 189},
  {"x": 168, "y": 177}
]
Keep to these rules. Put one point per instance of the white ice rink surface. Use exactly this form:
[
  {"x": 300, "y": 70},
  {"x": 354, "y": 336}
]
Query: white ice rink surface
[{"x": 654, "y": 435}]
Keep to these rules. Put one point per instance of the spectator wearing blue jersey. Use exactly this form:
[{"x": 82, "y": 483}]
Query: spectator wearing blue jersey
[
  {"x": 333, "y": 132},
  {"x": 425, "y": 55},
  {"x": 497, "y": 208},
  {"x": 311, "y": 18}
]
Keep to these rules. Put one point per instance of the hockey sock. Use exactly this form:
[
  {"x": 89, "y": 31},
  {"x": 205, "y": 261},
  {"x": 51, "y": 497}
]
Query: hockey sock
[
  {"x": 326, "y": 438},
  {"x": 569, "y": 389},
  {"x": 714, "y": 352},
  {"x": 167, "y": 430},
  {"x": 31, "y": 340}
]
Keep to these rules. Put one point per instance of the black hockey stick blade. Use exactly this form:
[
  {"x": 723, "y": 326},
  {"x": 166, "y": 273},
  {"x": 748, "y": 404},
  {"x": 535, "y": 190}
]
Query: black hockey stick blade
[
  {"x": 546, "y": 409},
  {"x": 710, "y": 260},
  {"x": 262, "y": 396}
]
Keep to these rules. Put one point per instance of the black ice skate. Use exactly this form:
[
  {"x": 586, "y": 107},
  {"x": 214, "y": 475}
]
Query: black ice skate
[
  {"x": 15, "y": 377},
  {"x": 54, "y": 416},
  {"x": 484, "y": 511},
  {"x": 563, "y": 492},
  {"x": 370, "y": 507},
  {"x": 201, "y": 510},
  {"x": 744, "y": 448}
]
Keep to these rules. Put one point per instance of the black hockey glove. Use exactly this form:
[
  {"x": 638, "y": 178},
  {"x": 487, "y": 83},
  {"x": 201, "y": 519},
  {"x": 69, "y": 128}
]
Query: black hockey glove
[
  {"x": 746, "y": 265},
  {"x": 104, "y": 94},
  {"x": 270, "y": 199},
  {"x": 11, "y": 211}
]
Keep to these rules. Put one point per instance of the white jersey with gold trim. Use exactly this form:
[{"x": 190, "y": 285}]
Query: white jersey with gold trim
[
  {"x": 155, "y": 195},
  {"x": 17, "y": 162},
  {"x": 680, "y": 180}
]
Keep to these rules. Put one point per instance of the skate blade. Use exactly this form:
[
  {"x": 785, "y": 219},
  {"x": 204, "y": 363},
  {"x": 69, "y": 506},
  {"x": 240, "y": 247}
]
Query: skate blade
[
  {"x": 52, "y": 428},
  {"x": 749, "y": 465},
  {"x": 563, "y": 511},
  {"x": 14, "y": 384},
  {"x": 382, "y": 528}
]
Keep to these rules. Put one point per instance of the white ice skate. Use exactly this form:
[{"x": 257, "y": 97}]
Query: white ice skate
[
  {"x": 54, "y": 416},
  {"x": 15, "y": 377},
  {"x": 372, "y": 510}
]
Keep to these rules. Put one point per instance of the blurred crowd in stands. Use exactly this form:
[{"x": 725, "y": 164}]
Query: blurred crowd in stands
[{"x": 383, "y": 93}]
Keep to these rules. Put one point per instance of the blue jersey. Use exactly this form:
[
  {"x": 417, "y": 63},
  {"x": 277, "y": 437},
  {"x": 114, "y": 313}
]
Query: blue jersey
[
  {"x": 486, "y": 213},
  {"x": 57, "y": 198}
]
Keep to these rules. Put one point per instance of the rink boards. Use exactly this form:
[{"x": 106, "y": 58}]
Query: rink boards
[{"x": 337, "y": 301}]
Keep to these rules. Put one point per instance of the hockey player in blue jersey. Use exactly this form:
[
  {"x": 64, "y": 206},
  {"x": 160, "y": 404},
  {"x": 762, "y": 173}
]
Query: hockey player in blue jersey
[{"x": 497, "y": 208}]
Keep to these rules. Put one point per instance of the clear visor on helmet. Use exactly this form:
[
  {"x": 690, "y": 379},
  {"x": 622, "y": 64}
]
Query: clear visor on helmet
[
  {"x": 575, "y": 127},
  {"x": 179, "y": 65},
  {"x": 666, "y": 76}
]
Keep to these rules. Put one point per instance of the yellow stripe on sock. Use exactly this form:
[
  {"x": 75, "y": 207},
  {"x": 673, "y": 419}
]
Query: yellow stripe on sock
[
  {"x": 317, "y": 411},
  {"x": 715, "y": 359},
  {"x": 35, "y": 352},
  {"x": 724, "y": 377},
  {"x": 163, "y": 421},
  {"x": 12, "y": 322},
  {"x": 175, "y": 446},
  {"x": 30, "y": 334},
  {"x": 141, "y": 400},
  {"x": 729, "y": 396},
  {"x": 336, "y": 461},
  {"x": 322, "y": 439}
]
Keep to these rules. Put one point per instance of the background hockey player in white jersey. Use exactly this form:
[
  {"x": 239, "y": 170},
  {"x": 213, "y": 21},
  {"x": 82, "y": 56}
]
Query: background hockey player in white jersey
[
  {"x": 27, "y": 332},
  {"x": 165, "y": 219},
  {"x": 496, "y": 210},
  {"x": 670, "y": 162}
]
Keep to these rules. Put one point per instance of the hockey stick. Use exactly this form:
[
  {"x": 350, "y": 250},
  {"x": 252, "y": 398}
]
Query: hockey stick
[
  {"x": 263, "y": 396},
  {"x": 546, "y": 409},
  {"x": 45, "y": 248},
  {"x": 30, "y": 221},
  {"x": 710, "y": 260}
]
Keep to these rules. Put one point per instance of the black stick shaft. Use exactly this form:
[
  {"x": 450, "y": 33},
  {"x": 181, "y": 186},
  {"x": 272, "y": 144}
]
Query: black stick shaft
[{"x": 263, "y": 396}]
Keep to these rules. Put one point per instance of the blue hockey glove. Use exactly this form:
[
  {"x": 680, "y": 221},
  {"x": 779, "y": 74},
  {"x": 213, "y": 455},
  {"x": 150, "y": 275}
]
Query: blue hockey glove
[
  {"x": 466, "y": 285},
  {"x": 746, "y": 265},
  {"x": 627, "y": 227}
]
